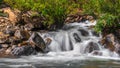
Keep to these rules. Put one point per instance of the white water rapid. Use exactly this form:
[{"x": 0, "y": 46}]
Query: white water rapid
[
  {"x": 76, "y": 39},
  {"x": 76, "y": 45}
]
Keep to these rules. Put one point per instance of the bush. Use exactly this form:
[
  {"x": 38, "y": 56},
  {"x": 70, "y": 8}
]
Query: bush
[
  {"x": 55, "y": 11},
  {"x": 107, "y": 12}
]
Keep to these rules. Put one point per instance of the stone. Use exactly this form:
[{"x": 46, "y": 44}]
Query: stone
[
  {"x": 13, "y": 46},
  {"x": 83, "y": 32},
  {"x": 14, "y": 40},
  {"x": 76, "y": 37},
  {"x": 8, "y": 51},
  {"x": 5, "y": 45},
  {"x": 10, "y": 30},
  {"x": 4, "y": 22},
  {"x": 108, "y": 42},
  {"x": 3, "y": 38},
  {"x": 90, "y": 18},
  {"x": 29, "y": 26},
  {"x": 48, "y": 41},
  {"x": 24, "y": 43},
  {"x": 35, "y": 26},
  {"x": 14, "y": 15},
  {"x": 68, "y": 19},
  {"x": 95, "y": 34},
  {"x": 24, "y": 51},
  {"x": 91, "y": 47},
  {"x": 0, "y": 46},
  {"x": 37, "y": 41},
  {"x": 33, "y": 22},
  {"x": 22, "y": 34},
  {"x": 95, "y": 52}
]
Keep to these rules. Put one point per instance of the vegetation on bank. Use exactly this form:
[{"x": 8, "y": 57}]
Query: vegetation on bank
[{"x": 107, "y": 12}]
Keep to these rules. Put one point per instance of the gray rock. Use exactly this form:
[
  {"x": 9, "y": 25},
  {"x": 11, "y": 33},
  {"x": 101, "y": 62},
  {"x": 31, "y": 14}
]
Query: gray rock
[
  {"x": 83, "y": 32},
  {"x": 76, "y": 37},
  {"x": 91, "y": 47},
  {"x": 24, "y": 51},
  {"x": 37, "y": 41}
]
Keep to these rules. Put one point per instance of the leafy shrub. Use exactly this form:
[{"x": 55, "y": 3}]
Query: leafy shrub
[
  {"x": 107, "y": 12},
  {"x": 55, "y": 11},
  {"x": 105, "y": 21}
]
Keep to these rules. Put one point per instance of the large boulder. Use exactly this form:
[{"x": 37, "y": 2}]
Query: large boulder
[
  {"x": 108, "y": 42},
  {"x": 111, "y": 42},
  {"x": 92, "y": 46},
  {"x": 37, "y": 41}
]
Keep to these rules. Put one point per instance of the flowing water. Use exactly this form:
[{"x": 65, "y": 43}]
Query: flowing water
[{"x": 74, "y": 46}]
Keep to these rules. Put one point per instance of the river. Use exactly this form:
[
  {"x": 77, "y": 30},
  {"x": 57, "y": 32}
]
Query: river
[{"x": 76, "y": 45}]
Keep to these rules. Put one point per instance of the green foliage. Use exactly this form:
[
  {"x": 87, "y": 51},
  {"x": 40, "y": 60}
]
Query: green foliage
[
  {"x": 106, "y": 20},
  {"x": 1, "y": 1},
  {"x": 107, "y": 12},
  {"x": 55, "y": 11}
]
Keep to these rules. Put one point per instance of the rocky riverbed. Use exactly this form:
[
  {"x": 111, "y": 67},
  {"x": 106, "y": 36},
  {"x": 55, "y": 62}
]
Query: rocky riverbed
[{"x": 20, "y": 33}]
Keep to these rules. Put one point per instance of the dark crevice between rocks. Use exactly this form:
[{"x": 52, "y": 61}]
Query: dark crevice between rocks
[{"x": 83, "y": 32}]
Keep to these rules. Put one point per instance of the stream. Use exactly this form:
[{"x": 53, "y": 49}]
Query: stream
[{"x": 76, "y": 45}]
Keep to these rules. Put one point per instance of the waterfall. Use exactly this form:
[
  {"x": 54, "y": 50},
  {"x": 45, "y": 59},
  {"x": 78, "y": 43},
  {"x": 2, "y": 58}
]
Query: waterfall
[
  {"x": 76, "y": 38},
  {"x": 74, "y": 46}
]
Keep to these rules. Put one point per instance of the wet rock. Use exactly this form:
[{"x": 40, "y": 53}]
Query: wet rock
[
  {"x": 0, "y": 46},
  {"x": 24, "y": 51},
  {"x": 22, "y": 34},
  {"x": 95, "y": 34},
  {"x": 117, "y": 34},
  {"x": 76, "y": 37},
  {"x": 97, "y": 53},
  {"x": 83, "y": 32},
  {"x": 91, "y": 47},
  {"x": 48, "y": 41},
  {"x": 108, "y": 42},
  {"x": 37, "y": 41},
  {"x": 111, "y": 42}
]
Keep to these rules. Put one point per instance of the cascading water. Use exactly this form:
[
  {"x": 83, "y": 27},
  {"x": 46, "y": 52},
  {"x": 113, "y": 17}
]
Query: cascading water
[
  {"x": 76, "y": 38},
  {"x": 76, "y": 45}
]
